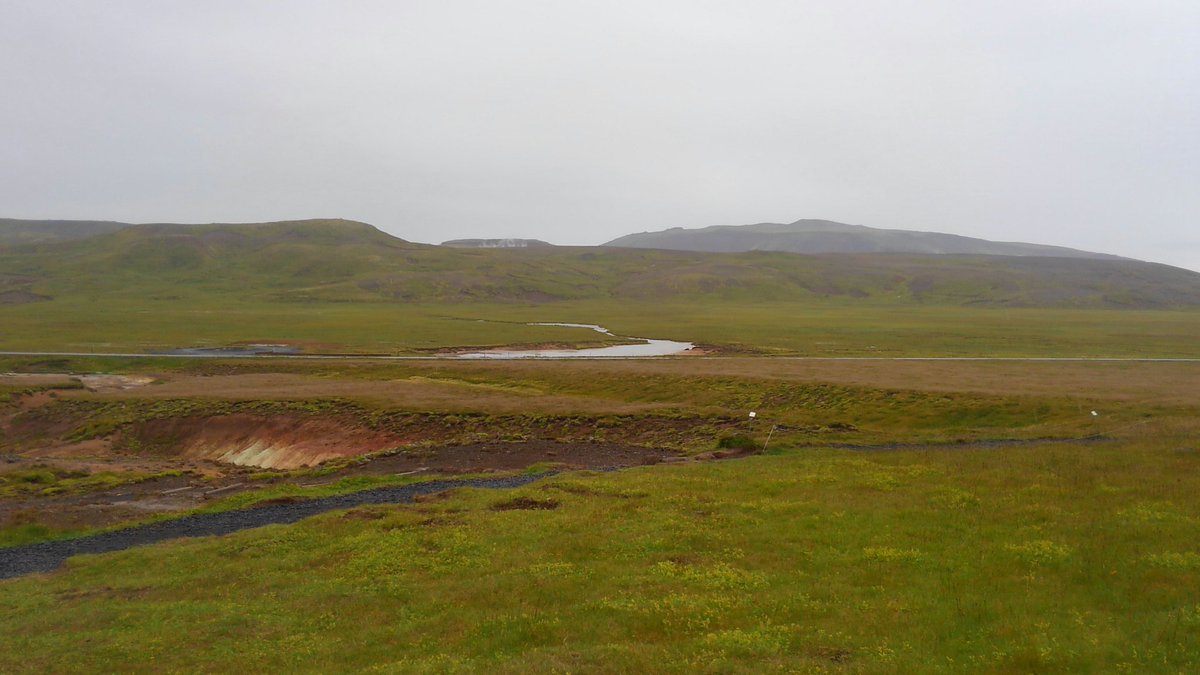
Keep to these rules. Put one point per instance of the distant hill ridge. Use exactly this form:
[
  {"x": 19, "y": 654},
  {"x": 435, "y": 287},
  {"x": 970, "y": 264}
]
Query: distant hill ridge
[
  {"x": 18, "y": 232},
  {"x": 344, "y": 261},
  {"x": 827, "y": 236},
  {"x": 802, "y": 236}
]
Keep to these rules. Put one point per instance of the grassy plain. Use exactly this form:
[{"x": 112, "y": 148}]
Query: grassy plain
[
  {"x": 1045, "y": 558},
  {"x": 810, "y": 328},
  {"x": 1049, "y": 556},
  {"x": 819, "y": 400}
]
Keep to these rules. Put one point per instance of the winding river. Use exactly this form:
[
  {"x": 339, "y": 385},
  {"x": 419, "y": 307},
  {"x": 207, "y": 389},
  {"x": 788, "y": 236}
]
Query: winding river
[{"x": 647, "y": 347}]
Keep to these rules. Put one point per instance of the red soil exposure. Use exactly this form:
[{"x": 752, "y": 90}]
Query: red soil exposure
[
  {"x": 290, "y": 442},
  {"x": 134, "y": 501},
  {"x": 275, "y": 442}
]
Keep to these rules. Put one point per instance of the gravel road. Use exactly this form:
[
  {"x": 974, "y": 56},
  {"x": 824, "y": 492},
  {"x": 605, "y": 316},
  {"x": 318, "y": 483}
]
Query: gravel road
[{"x": 47, "y": 556}]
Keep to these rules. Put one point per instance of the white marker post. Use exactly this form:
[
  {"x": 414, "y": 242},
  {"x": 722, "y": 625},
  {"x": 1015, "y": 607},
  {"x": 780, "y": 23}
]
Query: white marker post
[{"x": 773, "y": 427}]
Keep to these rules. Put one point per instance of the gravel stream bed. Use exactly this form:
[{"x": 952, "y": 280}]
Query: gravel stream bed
[{"x": 48, "y": 556}]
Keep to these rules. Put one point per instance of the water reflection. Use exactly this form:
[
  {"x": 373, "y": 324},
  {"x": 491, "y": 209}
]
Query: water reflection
[{"x": 647, "y": 347}]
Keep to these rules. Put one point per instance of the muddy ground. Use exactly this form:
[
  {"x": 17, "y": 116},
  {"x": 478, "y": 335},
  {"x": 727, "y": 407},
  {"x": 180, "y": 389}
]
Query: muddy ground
[
  {"x": 196, "y": 488},
  {"x": 183, "y": 461}
]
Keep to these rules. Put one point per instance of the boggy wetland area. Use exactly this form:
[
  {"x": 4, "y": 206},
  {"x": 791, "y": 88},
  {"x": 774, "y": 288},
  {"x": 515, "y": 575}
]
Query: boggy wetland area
[
  {"x": 593, "y": 502},
  {"x": 313, "y": 446}
]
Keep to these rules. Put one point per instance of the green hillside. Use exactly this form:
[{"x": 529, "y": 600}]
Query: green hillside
[
  {"x": 17, "y": 232},
  {"x": 338, "y": 260},
  {"x": 337, "y": 284}
]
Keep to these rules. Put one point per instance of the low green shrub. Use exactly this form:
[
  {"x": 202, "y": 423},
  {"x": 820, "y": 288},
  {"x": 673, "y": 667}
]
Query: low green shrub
[{"x": 737, "y": 442}]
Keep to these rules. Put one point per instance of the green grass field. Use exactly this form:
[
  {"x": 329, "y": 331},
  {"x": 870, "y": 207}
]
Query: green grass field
[
  {"x": 816, "y": 328},
  {"x": 1045, "y": 558}
]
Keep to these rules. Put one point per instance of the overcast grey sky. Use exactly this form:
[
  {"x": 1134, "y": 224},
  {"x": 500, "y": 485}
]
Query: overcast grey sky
[{"x": 1073, "y": 122}]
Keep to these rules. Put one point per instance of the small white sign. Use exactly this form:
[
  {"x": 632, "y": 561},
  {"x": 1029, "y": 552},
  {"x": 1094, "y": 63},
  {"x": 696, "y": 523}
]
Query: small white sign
[{"x": 754, "y": 414}]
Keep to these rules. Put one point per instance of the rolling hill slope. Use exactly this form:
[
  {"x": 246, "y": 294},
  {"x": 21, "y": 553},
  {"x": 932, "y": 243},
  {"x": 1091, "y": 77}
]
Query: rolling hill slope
[
  {"x": 347, "y": 261},
  {"x": 17, "y": 232},
  {"x": 826, "y": 236}
]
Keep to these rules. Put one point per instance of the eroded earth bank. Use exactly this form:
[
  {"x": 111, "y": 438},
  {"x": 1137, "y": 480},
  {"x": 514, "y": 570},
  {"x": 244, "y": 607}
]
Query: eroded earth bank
[{"x": 87, "y": 452}]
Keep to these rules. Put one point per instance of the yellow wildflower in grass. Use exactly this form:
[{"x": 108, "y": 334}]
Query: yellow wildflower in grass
[
  {"x": 891, "y": 554},
  {"x": 759, "y": 641},
  {"x": 1188, "y": 560},
  {"x": 721, "y": 576},
  {"x": 1040, "y": 551}
]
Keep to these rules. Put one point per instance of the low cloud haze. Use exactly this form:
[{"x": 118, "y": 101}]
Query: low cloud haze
[{"x": 1069, "y": 122}]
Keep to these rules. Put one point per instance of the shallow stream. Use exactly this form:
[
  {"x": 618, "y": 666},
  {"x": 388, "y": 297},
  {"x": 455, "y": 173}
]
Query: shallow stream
[
  {"x": 47, "y": 556},
  {"x": 647, "y": 347}
]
